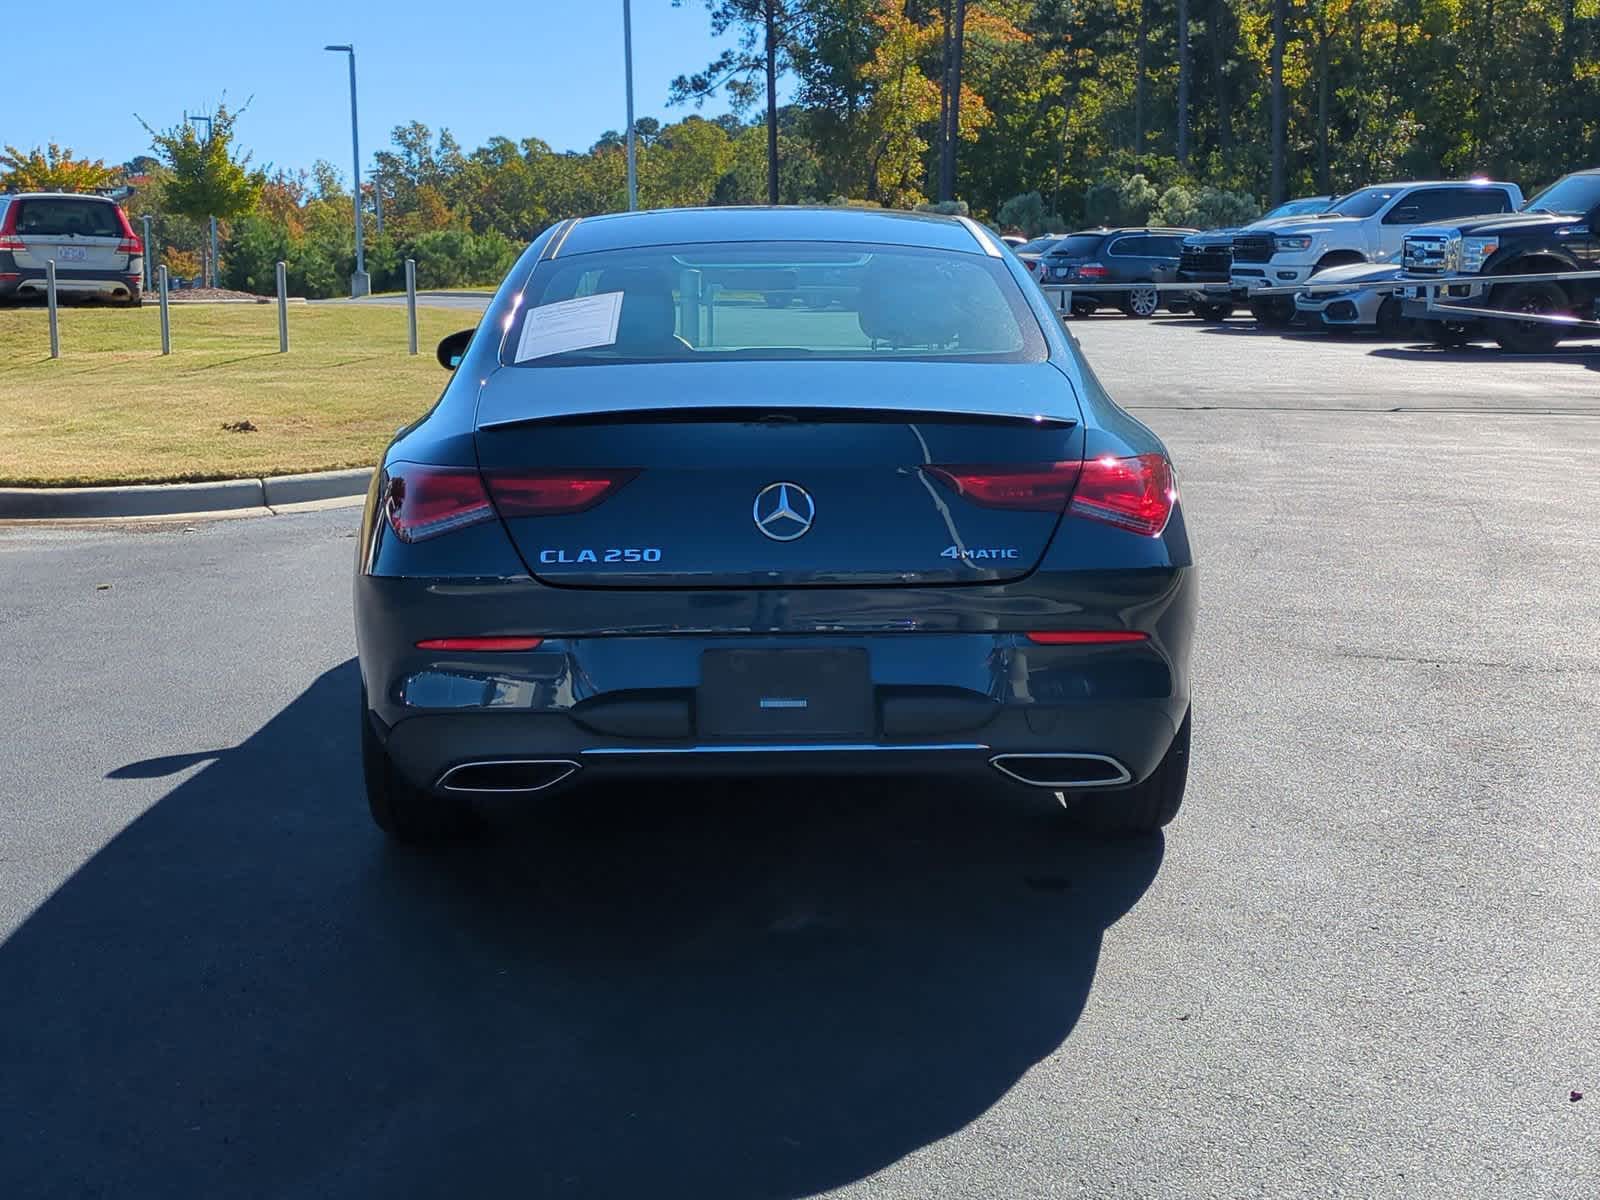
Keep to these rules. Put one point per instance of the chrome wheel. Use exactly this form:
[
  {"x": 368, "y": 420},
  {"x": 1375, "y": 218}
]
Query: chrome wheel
[{"x": 1143, "y": 302}]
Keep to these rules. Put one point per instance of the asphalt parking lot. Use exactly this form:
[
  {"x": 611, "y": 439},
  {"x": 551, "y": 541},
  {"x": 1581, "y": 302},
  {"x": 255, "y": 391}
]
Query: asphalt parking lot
[{"x": 1361, "y": 963}]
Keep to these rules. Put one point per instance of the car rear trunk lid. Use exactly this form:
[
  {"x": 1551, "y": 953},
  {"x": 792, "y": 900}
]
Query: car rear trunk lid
[{"x": 772, "y": 479}]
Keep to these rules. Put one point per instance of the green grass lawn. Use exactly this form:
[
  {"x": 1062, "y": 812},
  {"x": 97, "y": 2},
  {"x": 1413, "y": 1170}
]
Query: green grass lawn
[{"x": 112, "y": 409}]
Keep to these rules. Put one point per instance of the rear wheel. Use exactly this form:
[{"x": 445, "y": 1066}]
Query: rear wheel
[
  {"x": 1084, "y": 308},
  {"x": 1212, "y": 312},
  {"x": 1142, "y": 302},
  {"x": 404, "y": 812},
  {"x": 1274, "y": 312},
  {"x": 1144, "y": 807},
  {"x": 1528, "y": 337},
  {"x": 134, "y": 299}
]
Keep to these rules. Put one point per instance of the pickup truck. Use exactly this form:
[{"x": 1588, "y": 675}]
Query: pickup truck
[
  {"x": 1362, "y": 226},
  {"x": 1207, "y": 256},
  {"x": 1558, "y": 231}
]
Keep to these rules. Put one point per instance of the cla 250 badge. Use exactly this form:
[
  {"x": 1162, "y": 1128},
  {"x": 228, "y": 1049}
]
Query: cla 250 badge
[
  {"x": 553, "y": 558},
  {"x": 968, "y": 554}
]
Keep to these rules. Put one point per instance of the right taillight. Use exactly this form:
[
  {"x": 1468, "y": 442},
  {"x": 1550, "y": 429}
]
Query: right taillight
[
  {"x": 1039, "y": 487},
  {"x": 1136, "y": 493},
  {"x": 424, "y": 502}
]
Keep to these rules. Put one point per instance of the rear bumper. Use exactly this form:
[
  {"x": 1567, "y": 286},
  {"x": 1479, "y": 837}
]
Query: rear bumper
[
  {"x": 30, "y": 281},
  {"x": 954, "y": 682},
  {"x": 1132, "y": 734}
]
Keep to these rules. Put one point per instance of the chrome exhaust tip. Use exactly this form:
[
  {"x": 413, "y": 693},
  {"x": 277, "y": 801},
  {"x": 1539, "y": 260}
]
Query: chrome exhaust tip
[
  {"x": 507, "y": 775},
  {"x": 1062, "y": 771}
]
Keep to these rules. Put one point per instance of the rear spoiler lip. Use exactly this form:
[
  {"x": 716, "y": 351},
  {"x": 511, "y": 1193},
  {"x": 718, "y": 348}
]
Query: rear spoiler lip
[{"x": 757, "y": 413}]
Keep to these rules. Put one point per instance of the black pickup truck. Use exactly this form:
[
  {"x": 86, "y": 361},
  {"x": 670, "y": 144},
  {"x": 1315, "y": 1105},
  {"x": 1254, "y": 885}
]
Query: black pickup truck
[{"x": 1558, "y": 231}]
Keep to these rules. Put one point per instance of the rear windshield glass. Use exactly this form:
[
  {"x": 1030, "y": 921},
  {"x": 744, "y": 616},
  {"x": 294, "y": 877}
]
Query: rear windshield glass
[
  {"x": 67, "y": 218},
  {"x": 1078, "y": 245},
  {"x": 1038, "y": 245},
  {"x": 784, "y": 300}
]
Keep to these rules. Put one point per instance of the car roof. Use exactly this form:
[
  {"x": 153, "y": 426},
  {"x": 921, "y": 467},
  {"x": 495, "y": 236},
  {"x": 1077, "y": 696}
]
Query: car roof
[
  {"x": 57, "y": 196},
  {"x": 1411, "y": 183},
  {"x": 674, "y": 226},
  {"x": 1102, "y": 231}
]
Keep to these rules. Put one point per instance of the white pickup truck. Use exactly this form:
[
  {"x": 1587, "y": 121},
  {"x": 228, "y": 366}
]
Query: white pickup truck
[{"x": 1361, "y": 226}]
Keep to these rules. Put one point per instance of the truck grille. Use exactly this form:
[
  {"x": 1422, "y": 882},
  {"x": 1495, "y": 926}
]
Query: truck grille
[
  {"x": 1253, "y": 247},
  {"x": 1206, "y": 260},
  {"x": 1428, "y": 255}
]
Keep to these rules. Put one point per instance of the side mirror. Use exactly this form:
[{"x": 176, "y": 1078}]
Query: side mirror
[{"x": 453, "y": 348}]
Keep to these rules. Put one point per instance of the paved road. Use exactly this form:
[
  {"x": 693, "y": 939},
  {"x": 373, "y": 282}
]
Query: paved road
[{"x": 1362, "y": 962}]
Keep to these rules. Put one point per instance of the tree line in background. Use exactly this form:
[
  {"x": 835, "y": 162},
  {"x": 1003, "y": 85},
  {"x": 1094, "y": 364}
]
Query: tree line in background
[{"x": 1030, "y": 114}]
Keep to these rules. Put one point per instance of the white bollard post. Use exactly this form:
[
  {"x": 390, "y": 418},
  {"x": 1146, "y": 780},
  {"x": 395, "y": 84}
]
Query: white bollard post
[
  {"x": 50, "y": 285},
  {"x": 283, "y": 309},
  {"x": 166, "y": 329},
  {"x": 411, "y": 300}
]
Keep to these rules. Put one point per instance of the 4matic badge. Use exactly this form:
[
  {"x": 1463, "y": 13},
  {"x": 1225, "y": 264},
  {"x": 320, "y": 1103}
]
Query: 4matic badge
[{"x": 970, "y": 554}]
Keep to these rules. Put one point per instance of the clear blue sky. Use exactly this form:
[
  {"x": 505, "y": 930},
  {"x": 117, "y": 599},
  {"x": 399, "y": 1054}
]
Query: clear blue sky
[{"x": 541, "y": 68}]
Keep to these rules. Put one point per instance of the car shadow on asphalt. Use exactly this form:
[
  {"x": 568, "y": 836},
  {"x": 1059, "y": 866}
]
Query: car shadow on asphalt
[
  {"x": 1578, "y": 356},
  {"x": 736, "y": 990}
]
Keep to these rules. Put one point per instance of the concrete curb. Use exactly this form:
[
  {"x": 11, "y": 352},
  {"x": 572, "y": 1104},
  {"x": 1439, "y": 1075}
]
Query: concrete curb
[{"x": 179, "y": 499}]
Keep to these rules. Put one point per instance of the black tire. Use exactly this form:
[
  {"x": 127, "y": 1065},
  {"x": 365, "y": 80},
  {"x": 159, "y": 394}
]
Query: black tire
[
  {"x": 1523, "y": 337},
  {"x": 1449, "y": 335},
  {"x": 1276, "y": 312},
  {"x": 405, "y": 812},
  {"x": 1084, "y": 308},
  {"x": 1141, "y": 302},
  {"x": 134, "y": 299},
  {"x": 1142, "y": 808},
  {"x": 1212, "y": 312},
  {"x": 1392, "y": 321}
]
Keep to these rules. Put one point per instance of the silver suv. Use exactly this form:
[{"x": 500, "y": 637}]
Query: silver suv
[{"x": 96, "y": 252}]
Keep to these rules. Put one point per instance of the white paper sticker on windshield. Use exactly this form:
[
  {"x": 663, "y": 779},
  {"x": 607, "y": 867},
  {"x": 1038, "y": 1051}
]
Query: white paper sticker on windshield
[{"x": 568, "y": 325}]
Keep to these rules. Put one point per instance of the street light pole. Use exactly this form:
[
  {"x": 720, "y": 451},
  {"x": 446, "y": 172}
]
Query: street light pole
[
  {"x": 211, "y": 275},
  {"x": 360, "y": 282},
  {"x": 627, "y": 67}
]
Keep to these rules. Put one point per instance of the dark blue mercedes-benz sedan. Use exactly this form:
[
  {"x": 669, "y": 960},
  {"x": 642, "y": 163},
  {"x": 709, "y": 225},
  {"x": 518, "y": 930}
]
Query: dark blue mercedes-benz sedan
[{"x": 770, "y": 491}]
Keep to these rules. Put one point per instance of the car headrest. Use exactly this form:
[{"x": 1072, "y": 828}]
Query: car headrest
[
  {"x": 909, "y": 303},
  {"x": 648, "y": 315}
]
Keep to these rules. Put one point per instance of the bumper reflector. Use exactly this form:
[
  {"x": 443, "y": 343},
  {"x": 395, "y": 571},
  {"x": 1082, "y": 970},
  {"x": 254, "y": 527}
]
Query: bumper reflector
[
  {"x": 480, "y": 643},
  {"x": 1086, "y": 637}
]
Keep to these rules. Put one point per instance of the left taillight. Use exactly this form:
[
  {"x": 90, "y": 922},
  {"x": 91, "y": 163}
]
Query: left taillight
[
  {"x": 553, "y": 493},
  {"x": 424, "y": 502}
]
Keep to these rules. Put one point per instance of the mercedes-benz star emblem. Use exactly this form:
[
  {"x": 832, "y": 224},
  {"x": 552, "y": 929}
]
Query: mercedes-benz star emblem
[{"x": 784, "y": 511}]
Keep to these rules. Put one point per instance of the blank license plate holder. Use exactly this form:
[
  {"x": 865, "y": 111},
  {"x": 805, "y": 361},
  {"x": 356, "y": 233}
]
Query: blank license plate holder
[{"x": 772, "y": 695}]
